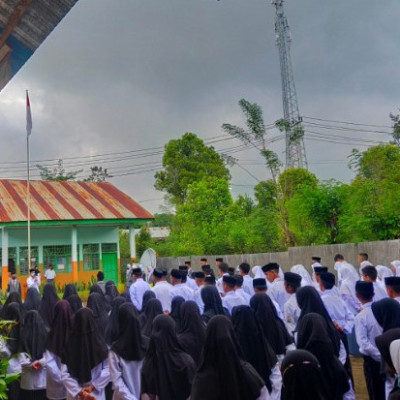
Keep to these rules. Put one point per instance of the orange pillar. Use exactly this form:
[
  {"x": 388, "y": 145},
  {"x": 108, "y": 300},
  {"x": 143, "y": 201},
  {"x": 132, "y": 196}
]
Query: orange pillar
[
  {"x": 4, "y": 257},
  {"x": 74, "y": 255}
]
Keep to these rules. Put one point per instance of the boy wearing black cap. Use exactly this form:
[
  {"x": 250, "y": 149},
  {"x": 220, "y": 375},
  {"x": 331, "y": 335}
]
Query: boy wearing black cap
[
  {"x": 316, "y": 262},
  {"x": 244, "y": 270},
  {"x": 392, "y": 284},
  {"x": 367, "y": 329},
  {"x": 276, "y": 290},
  {"x": 231, "y": 299},
  {"x": 260, "y": 286},
  {"x": 316, "y": 274},
  {"x": 341, "y": 316},
  {"x": 179, "y": 288},
  {"x": 199, "y": 278},
  {"x": 185, "y": 270},
  {"x": 138, "y": 287},
  {"x": 162, "y": 289},
  {"x": 291, "y": 310}
]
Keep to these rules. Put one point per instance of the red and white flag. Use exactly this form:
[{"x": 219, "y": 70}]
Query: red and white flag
[{"x": 28, "y": 116}]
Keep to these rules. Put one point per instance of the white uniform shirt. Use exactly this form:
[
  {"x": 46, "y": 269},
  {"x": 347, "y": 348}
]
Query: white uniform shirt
[
  {"x": 100, "y": 378},
  {"x": 183, "y": 290},
  {"x": 291, "y": 313},
  {"x": 137, "y": 291},
  {"x": 338, "y": 310},
  {"x": 232, "y": 299},
  {"x": 219, "y": 283},
  {"x": 125, "y": 376},
  {"x": 191, "y": 283},
  {"x": 30, "y": 378},
  {"x": 162, "y": 290},
  {"x": 278, "y": 293},
  {"x": 14, "y": 364},
  {"x": 54, "y": 388},
  {"x": 245, "y": 296},
  {"x": 367, "y": 329},
  {"x": 50, "y": 274},
  {"x": 248, "y": 284},
  {"x": 198, "y": 299},
  {"x": 33, "y": 282}
]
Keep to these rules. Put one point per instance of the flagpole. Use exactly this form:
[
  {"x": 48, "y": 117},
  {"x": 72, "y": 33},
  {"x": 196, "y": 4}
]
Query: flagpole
[{"x": 28, "y": 194}]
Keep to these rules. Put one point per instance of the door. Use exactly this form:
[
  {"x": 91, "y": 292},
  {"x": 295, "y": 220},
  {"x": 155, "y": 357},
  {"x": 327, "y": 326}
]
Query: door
[{"x": 110, "y": 267}]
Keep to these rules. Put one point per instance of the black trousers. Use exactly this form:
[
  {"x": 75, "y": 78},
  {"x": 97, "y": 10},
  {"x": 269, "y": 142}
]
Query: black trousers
[
  {"x": 374, "y": 379},
  {"x": 33, "y": 394}
]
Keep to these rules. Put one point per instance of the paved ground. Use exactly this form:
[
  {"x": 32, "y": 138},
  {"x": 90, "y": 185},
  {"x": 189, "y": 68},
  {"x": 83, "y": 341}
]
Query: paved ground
[{"x": 359, "y": 380}]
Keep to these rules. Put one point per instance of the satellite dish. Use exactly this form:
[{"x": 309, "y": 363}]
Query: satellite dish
[{"x": 148, "y": 262}]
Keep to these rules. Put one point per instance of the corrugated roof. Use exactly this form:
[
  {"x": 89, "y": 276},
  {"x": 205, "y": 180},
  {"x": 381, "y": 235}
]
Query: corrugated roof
[{"x": 59, "y": 201}]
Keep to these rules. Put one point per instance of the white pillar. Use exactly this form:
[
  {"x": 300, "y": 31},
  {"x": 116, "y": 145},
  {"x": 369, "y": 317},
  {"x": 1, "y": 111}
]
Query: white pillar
[
  {"x": 132, "y": 242},
  {"x": 74, "y": 253},
  {"x": 4, "y": 258}
]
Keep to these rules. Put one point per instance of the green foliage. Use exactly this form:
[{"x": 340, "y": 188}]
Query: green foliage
[
  {"x": 124, "y": 247},
  {"x": 98, "y": 174},
  {"x": 186, "y": 161},
  {"x": 396, "y": 128},
  {"x": 293, "y": 179},
  {"x": 58, "y": 173},
  {"x": 143, "y": 241},
  {"x": 162, "y": 219}
]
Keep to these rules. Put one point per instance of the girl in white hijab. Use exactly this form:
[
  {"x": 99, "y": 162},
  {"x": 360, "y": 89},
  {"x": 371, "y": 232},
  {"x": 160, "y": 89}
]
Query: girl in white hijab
[
  {"x": 300, "y": 269},
  {"x": 395, "y": 265},
  {"x": 383, "y": 272},
  {"x": 347, "y": 291}
]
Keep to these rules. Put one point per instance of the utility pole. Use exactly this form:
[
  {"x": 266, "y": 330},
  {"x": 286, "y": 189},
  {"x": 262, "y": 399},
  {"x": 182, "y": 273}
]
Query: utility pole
[{"x": 295, "y": 150}]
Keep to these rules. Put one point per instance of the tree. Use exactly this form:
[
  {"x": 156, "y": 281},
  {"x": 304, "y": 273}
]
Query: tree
[
  {"x": 186, "y": 161},
  {"x": 255, "y": 134},
  {"x": 396, "y": 128},
  {"x": 58, "y": 173},
  {"x": 98, "y": 174}
]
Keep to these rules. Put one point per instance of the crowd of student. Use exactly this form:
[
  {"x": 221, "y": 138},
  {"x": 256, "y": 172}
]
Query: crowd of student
[{"x": 181, "y": 334}]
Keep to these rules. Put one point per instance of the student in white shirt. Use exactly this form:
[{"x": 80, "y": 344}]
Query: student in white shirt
[
  {"x": 244, "y": 270},
  {"x": 50, "y": 274},
  {"x": 367, "y": 329},
  {"x": 239, "y": 290},
  {"x": 138, "y": 288},
  {"x": 291, "y": 310},
  {"x": 223, "y": 269},
  {"x": 162, "y": 289},
  {"x": 370, "y": 274},
  {"x": 126, "y": 355},
  {"x": 33, "y": 279},
  {"x": 179, "y": 288},
  {"x": 33, "y": 345},
  {"x": 276, "y": 290},
  {"x": 392, "y": 284},
  {"x": 199, "y": 278},
  {"x": 231, "y": 299},
  {"x": 84, "y": 368}
]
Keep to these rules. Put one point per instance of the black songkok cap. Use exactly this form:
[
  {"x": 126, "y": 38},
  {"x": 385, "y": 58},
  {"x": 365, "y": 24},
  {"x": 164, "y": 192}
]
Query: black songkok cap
[
  {"x": 230, "y": 280},
  {"x": 365, "y": 289},
  {"x": 292, "y": 279},
  {"x": 203, "y": 259},
  {"x": 158, "y": 273},
  {"x": 270, "y": 266},
  {"x": 205, "y": 267},
  {"x": 175, "y": 273},
  {"x": 392, "y": 281},
  {"x": 328, "y": 278},
  {"x": 317, "y": 259},
  {"x": 183, "y": 268},
  {"x": 188, "y": 262},
  {"x": 137, "y": 271},
  {"x": 259, "y": 283},
  {"x": 210, "y": 280},
  {"x": 164, "y": 272},
  {"x": 199, "y": 274},
  {"x": 245, "y": 267},
  {"x": 320, "y": 270},
  {"x": 220, "y": 259},
  {"x": 239, "y": 280},
  {"x": 231, "y": 271}
]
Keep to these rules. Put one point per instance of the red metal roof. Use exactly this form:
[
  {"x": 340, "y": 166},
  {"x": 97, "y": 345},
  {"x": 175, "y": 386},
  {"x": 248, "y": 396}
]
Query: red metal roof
[{"x": 58, "y": 201}]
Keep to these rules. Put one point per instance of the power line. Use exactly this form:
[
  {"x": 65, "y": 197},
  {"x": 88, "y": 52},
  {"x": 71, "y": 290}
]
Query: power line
[{"x": 348, "y": 123}]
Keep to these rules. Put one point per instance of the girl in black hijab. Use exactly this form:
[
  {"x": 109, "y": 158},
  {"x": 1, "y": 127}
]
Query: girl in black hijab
[
  {"x": 84, "y": 366},
  {"x": 312, "y": 335},
  {"x": 13, "y": 297},
  {"x": 271, "y": 325},
  {"x": 310, "y": 301},
  {"x": 127, "y": 354},
  {"x": 97, "y": 304},
  {"x": 112, "y": 330},
  {"x": 302, "y": 377},
  {"x": 220, "y": 379},
  {"x": 12, "y": 346},
  {"x": 56, "y": 342},
  {"x": 167, "y": 370},
  {"x": 147, "y": 296},
  {"x": 255, "y": 348},
  {"x": 212, "y": 303},
  {"x": 175, "y": 313},
  {"x": 387, "y": 313},
  {"x": 97, "y": 289},
  {"x": 49, "y": 300},
  {"x": 69, "y": 290},
  {"x": 32, "y": 347},
  {"x": 32, "y": 300},
  {"x": 75, "y": 302},
  {"x": 153, "y": 308},
  {"x": 193, "y": 330},
  {"x": 111, "y": 291}
]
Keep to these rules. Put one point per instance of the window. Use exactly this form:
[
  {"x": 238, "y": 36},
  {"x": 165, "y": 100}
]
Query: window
[
  {"x": 91, "y": 257},
  {"x": 109, "y": 247},
  {"x": 24, "y": 259},
  {"x": 59, "y": 256}
]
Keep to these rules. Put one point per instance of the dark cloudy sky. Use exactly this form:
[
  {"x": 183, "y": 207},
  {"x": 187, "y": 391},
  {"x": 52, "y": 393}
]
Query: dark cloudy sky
[{"x": 123, "y": 75}]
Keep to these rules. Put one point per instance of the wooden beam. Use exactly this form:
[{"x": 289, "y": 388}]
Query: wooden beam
[{"x": 13, "y": 20}]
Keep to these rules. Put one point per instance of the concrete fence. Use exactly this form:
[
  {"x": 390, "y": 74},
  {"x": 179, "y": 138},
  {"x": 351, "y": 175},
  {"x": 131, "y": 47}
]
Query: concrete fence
[{"x": 380, "y": 253}]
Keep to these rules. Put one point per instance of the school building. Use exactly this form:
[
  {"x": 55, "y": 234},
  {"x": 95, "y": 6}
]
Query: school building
[{"x": 74, "y": 226}]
